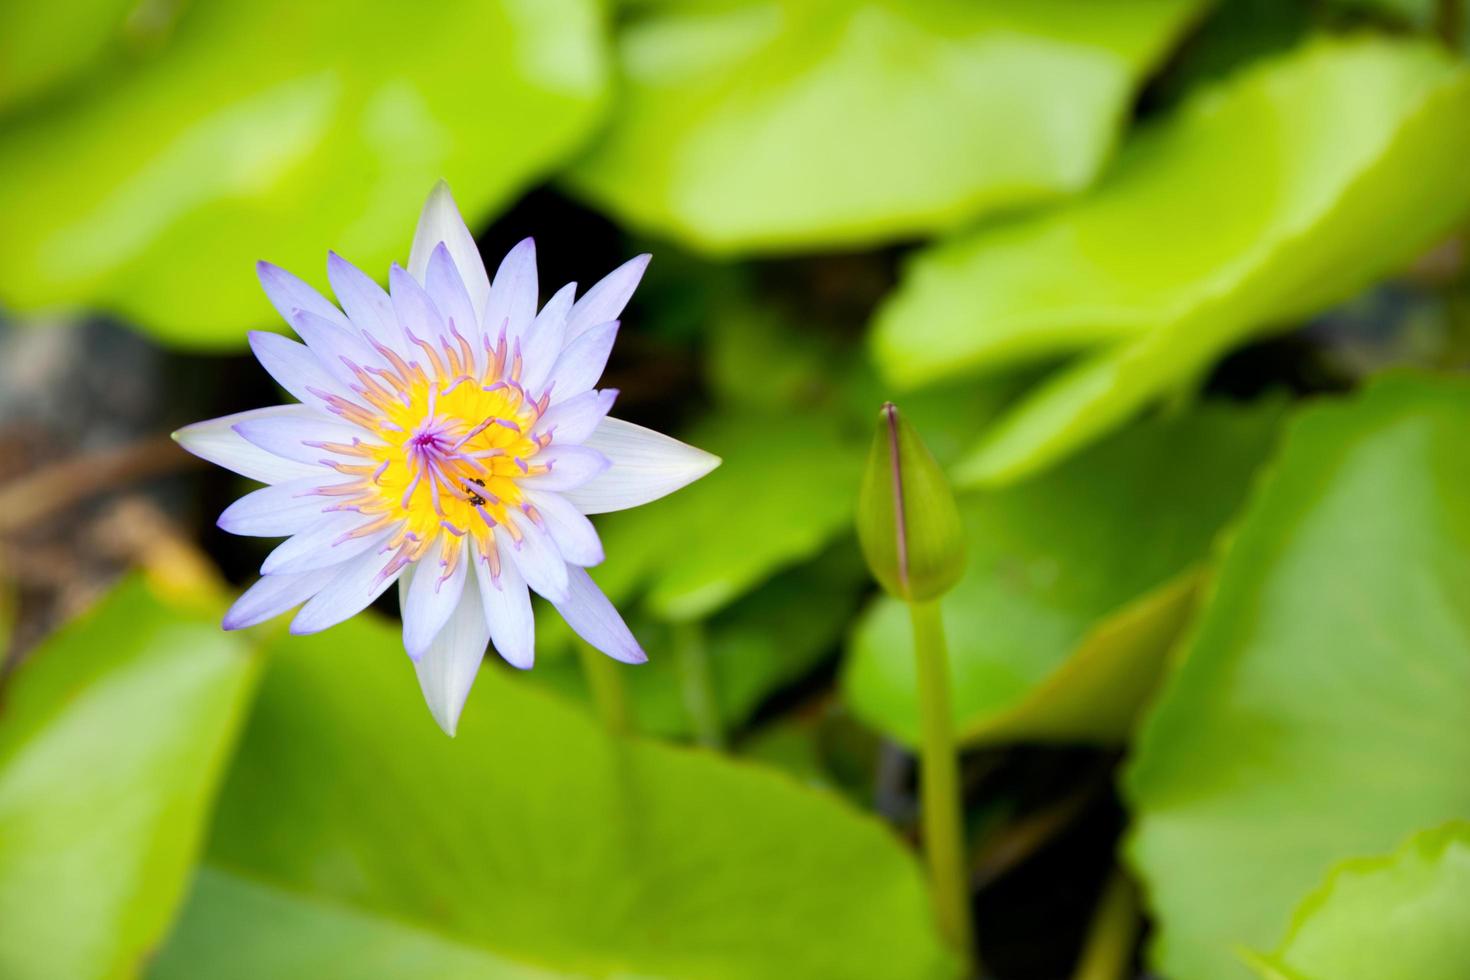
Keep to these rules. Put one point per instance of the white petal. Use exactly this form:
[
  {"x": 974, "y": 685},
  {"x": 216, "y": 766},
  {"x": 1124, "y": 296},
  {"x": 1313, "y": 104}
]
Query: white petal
[
  {"x": 336, "y": 347},
  {"x": 646, "y": 465},
  {"x": 544, "y": 341},
  {"x": 513, "y": 294},
  {"x": 352, "y": 589},
  {"x": 366, "y": 303},
  {"x": 441, "y": 222},
  {"x": 289, "y": 293},
  {"x": 592, "y": 616},
  {"x": 582, "y": 361},
  {"x": 571, "y": 467},
  {"x": 273, "y": 595},
  {"x": 325, "y": 541},
  {"x": 507, "y": 605},
  {"x": 571, "y": 532},
  {"x": 605, "y": 301},
  {"x": 446, "y": 289},
  {"x": 217, "y": 441},
  {"x": 428, "y": 598},
  {"x": 535, "y": 557},
  {"x": 302, "y": 439},
  {"x": 295, "y": 368},
  {"x": 417, "y": 314},
  {"x": 280, "y": 510},
  {"x": 448, "y": 667},
  {"x": 572, "y": 421}
]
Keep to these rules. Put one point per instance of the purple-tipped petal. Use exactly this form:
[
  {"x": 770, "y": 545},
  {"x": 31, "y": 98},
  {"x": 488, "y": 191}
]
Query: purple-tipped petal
[
  {"x": 441, "y": 222},
  {"x": 366, "y": 303},
  {"x": 536, "y": 558},
  {"x": 417, "y": 313},
  {"x": 295, "y": 368},
  {"x": 571, "y": 467},
  {"x": 571, "y": 422},
  {"x": 323, "y": 543},
  {"x": 646, "y": 465},
  {"x": 507, "y": 608},
  {"x": 293, "y": 438},
  {"x": 513, "y": 294},
  {"x": 605, "y": 301},
  {"x": 357, "y": 583},
  {"x": 289, "y": 293},
  {"x": 273, "y": 595},
  {"x": 571, "y": 532},
  {"x": 582, "y": 361},
  {"x": 217, "y": 441},
  {"x": 427, "y": 598},
  {"x": 277, "y": 511},
  {"x": 447, "y": 292},
  {"x": 449, "y": 665},
  {"x": 589, "y": 613},
  {"x": 544, "y": 341},
  {"x": 334, "y": 346}
]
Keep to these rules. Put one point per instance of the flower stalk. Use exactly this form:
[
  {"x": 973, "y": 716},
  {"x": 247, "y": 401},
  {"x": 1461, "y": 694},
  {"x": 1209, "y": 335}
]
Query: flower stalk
[
  {"x": 609, "y": 693},
  {"x": 696, "y": 684},
  {"x": 911, "y": 535}
]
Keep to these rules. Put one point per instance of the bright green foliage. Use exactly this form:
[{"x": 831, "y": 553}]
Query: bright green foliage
[
  {"x": 787, "y": 488},
  {"x": 1261, "y": 201},
  {"x": 1319, "y": 711},
  {"x": 797, "y": 124},
  {"x": 278, "y": 130},
  {"x": 907, "y": 522},
  {"x": 44, "y": 45},
  {"x": 113, "y": 738},
  {"x": 769, "y": 638},
  {"x": 1403, "y": 915},
  {"x": 1050, "y": 607},
  {"x": 532, "y": 838}
]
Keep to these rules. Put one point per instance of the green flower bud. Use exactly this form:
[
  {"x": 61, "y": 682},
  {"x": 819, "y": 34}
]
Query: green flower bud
[{"x": 907, "y": 521}]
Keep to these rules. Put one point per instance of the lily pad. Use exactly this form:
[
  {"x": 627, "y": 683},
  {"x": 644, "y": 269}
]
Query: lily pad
[
  {"x": 792, "y": 124},
  {"x": 1077, "y": 584},
  {"x": 533, "y": 844},
  {"x": 1318, "y": 712},
  {"x": 113, "y": 739},
  {"x": 116, "y": 195},
  {"x": 1262, "y": 200},
  {"x": 1397, "y": 916}
]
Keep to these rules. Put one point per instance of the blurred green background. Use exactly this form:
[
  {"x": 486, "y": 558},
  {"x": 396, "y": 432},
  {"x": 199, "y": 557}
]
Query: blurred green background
[{"x": 1177, "y": 291}]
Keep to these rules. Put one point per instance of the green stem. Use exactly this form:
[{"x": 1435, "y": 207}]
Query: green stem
[
  {"x": 1109, "y": 947},
  {"x": 1449, "y": 22},
  {"x": 609, "y": 694},
  {"x": 696, "y": 684},
  {"x": 944, "y": 841}
]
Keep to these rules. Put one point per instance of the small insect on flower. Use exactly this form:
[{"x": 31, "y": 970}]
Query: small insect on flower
[{"x": 449, "y": 438}]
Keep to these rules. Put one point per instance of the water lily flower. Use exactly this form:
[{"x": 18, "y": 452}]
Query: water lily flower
[{"x": 449, "y": 437}]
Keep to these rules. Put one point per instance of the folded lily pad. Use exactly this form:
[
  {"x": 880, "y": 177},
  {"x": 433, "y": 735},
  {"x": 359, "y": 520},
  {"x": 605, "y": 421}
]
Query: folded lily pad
[
  {"x": 296, "y": 127},
  {"x": 1318, "y": 712},
  {"x": 794, "y": 124},
  {"x": 1262, "y": 200},
  {"x": 1077, "y": 584},
  {"x": 1402, "y": 915},
  {"x": 114, "y": 736},
  {"x": 532, "y": 845}
]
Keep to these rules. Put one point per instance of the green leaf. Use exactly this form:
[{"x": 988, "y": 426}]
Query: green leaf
[
  {"x": 112, "y": 740},
  {"x": 787, "y": 487},
  {"x": 1402, "y": 915},
  {"x": 1261, "y": 201},
  {"x": 118, "y": 196},
  {"x": 532, "y": 838},
  {"x": 795, "y": 124},
  {"x": 1078, "y": 581},
  {"x": 764, "y": 641},
  {"x": 43, "y": 46},
  {"x": 1319, "y": 711}
]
